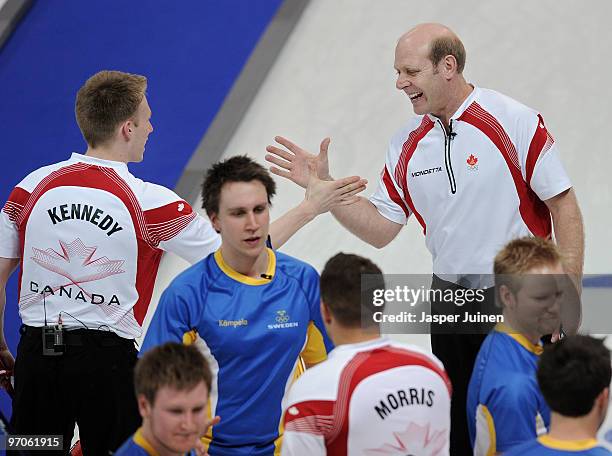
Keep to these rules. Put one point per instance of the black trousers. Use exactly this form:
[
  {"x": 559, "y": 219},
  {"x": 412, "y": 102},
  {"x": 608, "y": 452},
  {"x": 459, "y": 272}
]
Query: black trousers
[
  {"x": 90, "y": 384},
  {"x": 457, "y": 347}
]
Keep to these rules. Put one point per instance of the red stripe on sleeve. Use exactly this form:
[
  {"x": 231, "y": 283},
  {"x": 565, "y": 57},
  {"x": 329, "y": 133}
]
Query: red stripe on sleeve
[
  {"x": 168, "y": 212},
  {"x": 15, "y": 203},
  {"x": 165, "y": 222},
  {"x": 540, "y": 142},
  {"x": 393, "y": 193},
  {"x": 311, "y": 417},
  {"x": 401, "y": 169}
]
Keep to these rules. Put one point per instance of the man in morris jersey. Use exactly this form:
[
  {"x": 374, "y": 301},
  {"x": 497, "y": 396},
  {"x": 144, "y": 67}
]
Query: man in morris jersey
[{"x": 372, "y": 396}]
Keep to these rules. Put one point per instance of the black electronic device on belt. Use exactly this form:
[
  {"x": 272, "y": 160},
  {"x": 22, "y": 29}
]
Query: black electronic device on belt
[{"x": 53, "y": 340}]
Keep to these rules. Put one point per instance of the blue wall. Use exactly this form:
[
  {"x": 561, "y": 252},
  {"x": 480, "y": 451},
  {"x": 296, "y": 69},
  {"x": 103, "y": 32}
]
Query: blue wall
[{"x": 192, "y": 51}]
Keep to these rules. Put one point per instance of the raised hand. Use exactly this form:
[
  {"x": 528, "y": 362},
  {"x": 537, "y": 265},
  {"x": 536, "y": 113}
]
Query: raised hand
[
  {"x": 325, "y": 195},
  {"x": 294, "y": 163}
]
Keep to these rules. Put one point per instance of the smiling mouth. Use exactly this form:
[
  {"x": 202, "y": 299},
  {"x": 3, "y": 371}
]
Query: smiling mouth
[{"x": 415, "y": 96}]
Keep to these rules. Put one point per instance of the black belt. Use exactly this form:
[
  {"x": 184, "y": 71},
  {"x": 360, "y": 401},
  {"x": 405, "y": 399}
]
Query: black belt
[{"x": 79, "y": 337}]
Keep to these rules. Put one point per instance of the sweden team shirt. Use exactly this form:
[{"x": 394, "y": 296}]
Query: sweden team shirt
[
  {"x": 372, "y": 398},
  {"x": 474, "y": 189},
  {"x": 504, "y": 404},
  {"x": 90, "y": 237},
  {"x": 256, "y": 335},
  {"x": 137, "y": 445},
  {"x": 547, "y": 446}
]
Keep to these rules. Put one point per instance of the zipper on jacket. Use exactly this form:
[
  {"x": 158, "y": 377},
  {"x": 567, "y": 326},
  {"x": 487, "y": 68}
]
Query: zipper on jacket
[{"x": 448, "y": 138}]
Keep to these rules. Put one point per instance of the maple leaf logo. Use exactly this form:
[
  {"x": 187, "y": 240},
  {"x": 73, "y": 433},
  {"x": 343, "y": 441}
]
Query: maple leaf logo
[
  {"x": 472, "y": 160},
  {"x": 181, "y": 206},
  {"x": 76, "y": 264},
  {"x": 415, "y": 440}
]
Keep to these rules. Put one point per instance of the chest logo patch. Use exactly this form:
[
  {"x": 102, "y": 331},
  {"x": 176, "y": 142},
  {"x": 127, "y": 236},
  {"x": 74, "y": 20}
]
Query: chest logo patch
[
  {"x": 282, "y": 320},
  {"x": 472, "y": 162},
  {"x": 423, "y": 172}
]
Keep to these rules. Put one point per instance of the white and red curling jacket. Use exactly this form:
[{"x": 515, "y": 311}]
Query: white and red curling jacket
[
  {"x": 476, "y": 187},
  {"x": 90, "y": 236},
  {"x": 371, "y": 398}
]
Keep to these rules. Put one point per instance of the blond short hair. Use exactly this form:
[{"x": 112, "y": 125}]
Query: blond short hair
[
  {"x": 521, "y": 256},
  {"x": 106, "y": 100}
]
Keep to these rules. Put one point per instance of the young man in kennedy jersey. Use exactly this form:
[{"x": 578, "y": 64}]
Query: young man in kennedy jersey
[
  {"x": 372, "y": 396},
  {"x": 172, "y": 382},
  {"x": 505, "y": 406},
  {"x": 574, "y": 377},
  {"x": 89, "y": 237},
  {"x": 252, "y": 311}
]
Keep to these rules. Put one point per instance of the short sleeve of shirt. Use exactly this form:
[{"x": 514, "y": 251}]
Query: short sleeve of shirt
[
  {"x": 173, "y": 225},
  {"x": 388, "y": 195},
  {"x": 318, "y": 343},
  {"x": 174, "y": 317},
  {"x": 194, "y": 242},
  {"x": 9, "y": 237},
  {"x": 306, "y": 424},
  {"x": 542, "y": 166},
  {"x": 9, "y": 231},
  {"x": 508, "y": 418},
  {"x": 549, "y": 177},
  {"x": 300, "y": 443}
]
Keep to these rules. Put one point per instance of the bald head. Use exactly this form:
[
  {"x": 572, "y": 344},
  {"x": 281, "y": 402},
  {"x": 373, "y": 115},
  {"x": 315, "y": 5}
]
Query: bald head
[{"x": 435, "y": 40}]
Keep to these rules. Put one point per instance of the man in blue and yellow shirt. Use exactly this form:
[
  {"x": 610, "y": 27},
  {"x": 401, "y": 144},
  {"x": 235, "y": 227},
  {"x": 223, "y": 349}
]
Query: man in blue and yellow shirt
[
  {"x": 574, "y": 377},
  {"x": 505, "y": 406},
  {"x": 252, "y": 311},
  {"x": 172, "y": 383}
]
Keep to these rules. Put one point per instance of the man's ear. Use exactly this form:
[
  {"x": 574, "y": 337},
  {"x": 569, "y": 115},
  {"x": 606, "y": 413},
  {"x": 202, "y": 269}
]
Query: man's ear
[
  {"x": 144, "y": 406},
  {"x": 325, "y": 313},
  {"x": 214, "y": 221},
  {"x": 604, "y": 398},
  {"x": 507, "y": 297},
  {"x": 449, "y": 66},
  {"x": 126, "y": 130}
]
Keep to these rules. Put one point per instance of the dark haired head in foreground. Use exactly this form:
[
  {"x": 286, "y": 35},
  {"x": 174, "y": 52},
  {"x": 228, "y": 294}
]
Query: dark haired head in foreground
[
  {"x": 574, "y": 377},
  {"x": 347, "y": 285}
]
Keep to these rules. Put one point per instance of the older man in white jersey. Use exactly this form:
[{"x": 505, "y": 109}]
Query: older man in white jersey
[{"x": 477, "y": 169}]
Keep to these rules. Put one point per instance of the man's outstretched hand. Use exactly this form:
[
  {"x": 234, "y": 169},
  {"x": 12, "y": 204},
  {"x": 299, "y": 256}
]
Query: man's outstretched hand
[
  {"x": 325, "y": 195},
  {"x": 294, "y": 163}
]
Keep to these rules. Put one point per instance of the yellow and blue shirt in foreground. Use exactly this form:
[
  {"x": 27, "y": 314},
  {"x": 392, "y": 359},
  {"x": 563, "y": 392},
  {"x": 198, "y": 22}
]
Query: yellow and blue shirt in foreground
[
  {"x": 547, "y": 446},
  {"x": 504, "y": 404},
  {"x": 137, "y": 445},
  {"x": 256, "y": 334}
]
